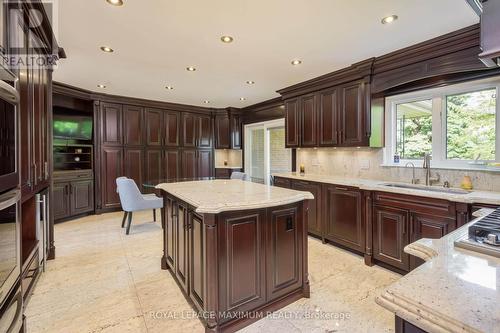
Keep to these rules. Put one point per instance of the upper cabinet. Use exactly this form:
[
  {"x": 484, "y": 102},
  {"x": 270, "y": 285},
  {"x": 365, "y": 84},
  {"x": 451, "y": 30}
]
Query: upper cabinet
[
  {"x": 292, "y": 123},
  {"x": 111, "y": 124},
  {"x": 197, "y": 130},
  {"x": 331, "y": 110},
  {"x": 354, "y": 114},
  {"x": 338, "y": 116},
  {"x": 162, "y": 128},
  {"x": 171, "y": 126},
  {"x": 228, "y": 125},
  {"x": 133, "y": 125}
]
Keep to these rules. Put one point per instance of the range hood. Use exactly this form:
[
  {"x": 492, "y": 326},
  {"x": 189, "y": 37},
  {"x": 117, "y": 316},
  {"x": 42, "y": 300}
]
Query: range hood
[{"x": 489, "y": 10}]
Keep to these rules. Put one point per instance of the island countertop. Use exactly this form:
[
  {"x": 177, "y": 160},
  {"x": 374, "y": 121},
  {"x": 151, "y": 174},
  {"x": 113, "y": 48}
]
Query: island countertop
[
  {"x": 217, "y": 196},
  {"x": 456, "y": 290}
]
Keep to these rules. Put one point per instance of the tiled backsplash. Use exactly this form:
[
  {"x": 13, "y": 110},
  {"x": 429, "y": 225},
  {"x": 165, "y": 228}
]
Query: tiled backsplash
[
  {"x": 233, "y": 157},
  {"x": 352, "y": 163}
]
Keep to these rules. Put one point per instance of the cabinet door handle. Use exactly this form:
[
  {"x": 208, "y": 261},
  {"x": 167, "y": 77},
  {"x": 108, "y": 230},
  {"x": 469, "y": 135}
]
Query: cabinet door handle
[
  {"x": 70, "y": 189},
  {"x": 411, "y": 225},
  {"x": 404, "y": 227}
]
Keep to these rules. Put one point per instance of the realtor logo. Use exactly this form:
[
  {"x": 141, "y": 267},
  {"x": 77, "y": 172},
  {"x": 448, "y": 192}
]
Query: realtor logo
[{"x": 26, "y": 21}]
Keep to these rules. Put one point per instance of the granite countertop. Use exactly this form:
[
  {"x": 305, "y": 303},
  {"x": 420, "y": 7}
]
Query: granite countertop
[
  {"x": 456, "y": 290},
  {"x": 484, "y": 197},
  {"x": 217, "y": 196},
  {"x": 227, "y": 167}
]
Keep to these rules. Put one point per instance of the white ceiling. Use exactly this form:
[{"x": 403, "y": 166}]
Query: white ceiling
[{"x": 155, "y": 40}]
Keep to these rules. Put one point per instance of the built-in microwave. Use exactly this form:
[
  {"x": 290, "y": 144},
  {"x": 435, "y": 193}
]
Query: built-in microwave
[
  {"x": 10, "y": 252},
  {"x": 9, "y": 99}
]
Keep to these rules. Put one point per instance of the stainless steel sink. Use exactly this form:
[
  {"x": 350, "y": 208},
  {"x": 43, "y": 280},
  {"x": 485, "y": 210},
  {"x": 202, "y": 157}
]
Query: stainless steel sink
[{"x": 428, "y": 188}]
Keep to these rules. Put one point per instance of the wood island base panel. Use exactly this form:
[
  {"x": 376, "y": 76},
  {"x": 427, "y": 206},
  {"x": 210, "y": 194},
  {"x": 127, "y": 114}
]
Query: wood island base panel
[{"x": 237, "y": 266}]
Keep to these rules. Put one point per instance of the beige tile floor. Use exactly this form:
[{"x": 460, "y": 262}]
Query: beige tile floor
[{"x": 105, "y": 281}]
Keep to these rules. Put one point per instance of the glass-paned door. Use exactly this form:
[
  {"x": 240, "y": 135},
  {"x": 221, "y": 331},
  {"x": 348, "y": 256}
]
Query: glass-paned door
[{"x": 265, "y": 152}]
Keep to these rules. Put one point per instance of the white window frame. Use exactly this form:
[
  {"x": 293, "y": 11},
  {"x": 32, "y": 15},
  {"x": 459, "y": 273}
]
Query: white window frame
[
  {"x": 265, "y": 125},
  {"x": 439, "y": 140}
]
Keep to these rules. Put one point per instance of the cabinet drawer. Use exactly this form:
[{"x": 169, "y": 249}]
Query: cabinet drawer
[
  {"x": 63, "y": 176},
  {"x": 416, "y": 204}
]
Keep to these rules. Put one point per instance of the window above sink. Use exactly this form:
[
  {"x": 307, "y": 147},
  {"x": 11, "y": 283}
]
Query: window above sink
[{"x": 458, "y": 125}]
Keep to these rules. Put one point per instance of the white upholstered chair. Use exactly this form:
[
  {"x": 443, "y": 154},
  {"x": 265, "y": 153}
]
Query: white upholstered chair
[
  {"x": 240, "y": 175},
  {"x": 133, "y": 200}
]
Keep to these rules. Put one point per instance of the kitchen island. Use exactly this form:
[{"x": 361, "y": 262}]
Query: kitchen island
[{"x": 237, "y": 250}]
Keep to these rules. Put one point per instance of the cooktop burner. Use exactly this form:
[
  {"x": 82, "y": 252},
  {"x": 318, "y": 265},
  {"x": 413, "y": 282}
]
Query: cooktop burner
[{"x": 483, "y": 235}]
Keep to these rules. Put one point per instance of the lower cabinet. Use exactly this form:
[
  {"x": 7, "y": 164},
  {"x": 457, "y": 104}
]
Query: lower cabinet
[
  {"x": 343, "y": 222},
  {"x": 182, "y": 246},
  {"x": 282, "y": 182},
  {"x": 72, "y": 197},
  {"x": 196, "y": 263},
  {"x": 390, "y": 236},
  {"x": 399, "y": 220},
  {"x": 284, "y": 255},
  {"x": 314, "y": 216},
  {"x": 223, "y": 173}
]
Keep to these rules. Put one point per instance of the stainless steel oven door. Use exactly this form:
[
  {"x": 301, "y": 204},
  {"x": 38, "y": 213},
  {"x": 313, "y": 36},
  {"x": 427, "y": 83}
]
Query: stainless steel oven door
[
  {"x": 9, "y": 242},
  {"x": 9, "y": 99}
]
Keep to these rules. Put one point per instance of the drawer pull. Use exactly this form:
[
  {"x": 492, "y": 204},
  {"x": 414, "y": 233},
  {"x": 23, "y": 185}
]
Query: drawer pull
[{"x": 342, "y": 188}]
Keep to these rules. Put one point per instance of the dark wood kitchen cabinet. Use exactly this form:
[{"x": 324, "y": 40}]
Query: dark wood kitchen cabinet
[
  {"x": 338, "y": 116},
  {"x": 171, "y": 165},
  {"x": 196, "y": 163},
  {"x": 314, "y": 217},
  {"x": 390, "y": 236},
  {"x": 308, "y": 107},
  {"x": 61, "y": 200},
  {"x": 236, "y": 261},
  {"x": 429, "y": 226},
  {"x": 205, "y": 164},
  {"x": 153, "y": 127},
  {"x": 133, "y": 165},
  {"x": 189, "y": 130},
  {"x": 197, "y": 130},
  {"x": 153, "y": 165},
  {"x": 73, "y": 194},
  {"x": 111, "y": 124},
  {"x": 111, "y": 168},
  {"x": 133, "y": 125},
  {"x": 354, "y": 126},
  {"x": 182, "y": 246},
  {"x": 204, "y": 131},
  {"x": 162, "y": 128},
  {"x": 222, "y": 132},
  {"x": 196, "y": 236},
  {"x": 189, "y": 163},
  {"x": 328, "y": 123},
  {"x": 171, "y": 128},
  {"x": 228, "y": 126},
  {"x": 343, "y": 216},
  {"x": 292, "y": 123},
  {"x": 282, "y": 182},
  {"x": 170, "y": 232},
  {"x": 284, "y": 263}
]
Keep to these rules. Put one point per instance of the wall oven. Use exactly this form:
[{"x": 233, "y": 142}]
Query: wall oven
[
  {"x": 10, "y": 259},
  {"x": 9, "y": 98}
]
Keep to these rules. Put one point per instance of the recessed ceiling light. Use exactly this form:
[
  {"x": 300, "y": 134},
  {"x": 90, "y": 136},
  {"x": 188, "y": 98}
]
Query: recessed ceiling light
[
  {"x": 190, "y": 69},
  {"x": 115, "y": 2},
  {"x": 389, "y": 19},
  {"x": 206, "y": 102},
  {"x": 243, "y": 99},
  {"x": 227, "y": 39},
  {"x": 102, "y": 86},
  {"x": 107, "y": 49},
  {"x": 296, "y": 62},
  {"x": 169, "y": 87},
  {"x": 250, "y": 82}
]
